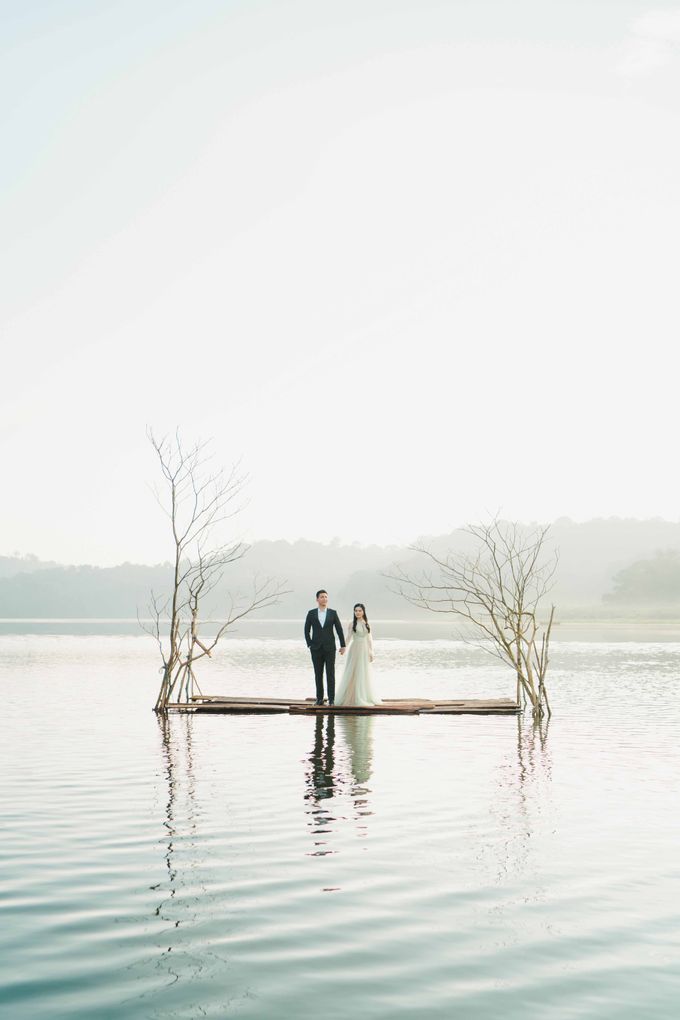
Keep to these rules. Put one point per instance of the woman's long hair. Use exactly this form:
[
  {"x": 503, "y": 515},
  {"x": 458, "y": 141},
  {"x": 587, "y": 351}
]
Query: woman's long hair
[{"x": 359, "y": 605}]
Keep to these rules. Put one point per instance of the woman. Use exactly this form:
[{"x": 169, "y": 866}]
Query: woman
[{"x": 356, "y": 688}]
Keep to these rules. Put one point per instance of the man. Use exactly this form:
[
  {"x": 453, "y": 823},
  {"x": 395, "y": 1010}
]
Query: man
[{"x": 320, "y": 640}]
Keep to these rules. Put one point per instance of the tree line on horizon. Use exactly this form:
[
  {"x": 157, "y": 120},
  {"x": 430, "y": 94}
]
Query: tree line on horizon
[{"x": 605, "y": 567}]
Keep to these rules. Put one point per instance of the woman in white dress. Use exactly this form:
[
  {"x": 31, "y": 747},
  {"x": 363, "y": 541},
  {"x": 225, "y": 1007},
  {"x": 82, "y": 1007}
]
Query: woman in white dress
[{"x": 357, "y": 688}]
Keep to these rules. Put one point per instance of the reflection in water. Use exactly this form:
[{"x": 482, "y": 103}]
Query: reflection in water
[
  {"x": 357, "y": 731},
  {"x": 331, "y": 777},
  {"x": 170, "y": 823},
  {"x": 181, "y": 728},
  {"x": 582, "y": 921},
  {"x": 320, "y": 782},
  {"x": 185, "y": 891},
  {"x": 524, "y": 793},
  {"x": 532, "y": 749}
]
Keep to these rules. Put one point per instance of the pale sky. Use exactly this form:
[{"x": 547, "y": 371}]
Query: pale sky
[{"x": 412, "y": 262}]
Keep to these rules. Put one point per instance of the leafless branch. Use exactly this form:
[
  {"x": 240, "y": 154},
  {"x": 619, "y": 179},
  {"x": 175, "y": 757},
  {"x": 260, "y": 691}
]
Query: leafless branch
[
  {"x": 497, "y": 590},
  {"x": 196, "y": 502}
]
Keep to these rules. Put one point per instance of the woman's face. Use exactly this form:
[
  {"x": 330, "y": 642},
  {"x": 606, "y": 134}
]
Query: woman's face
[{"x": 359, "y": 613}]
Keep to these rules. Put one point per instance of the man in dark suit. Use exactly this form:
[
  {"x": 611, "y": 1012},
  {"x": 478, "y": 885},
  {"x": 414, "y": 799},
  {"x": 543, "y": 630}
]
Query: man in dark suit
[{"x": 319, "y": 627}]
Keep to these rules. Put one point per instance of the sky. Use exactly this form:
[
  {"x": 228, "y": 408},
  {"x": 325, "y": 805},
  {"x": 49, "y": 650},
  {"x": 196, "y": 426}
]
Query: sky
[{"x": 409, "y": 262}]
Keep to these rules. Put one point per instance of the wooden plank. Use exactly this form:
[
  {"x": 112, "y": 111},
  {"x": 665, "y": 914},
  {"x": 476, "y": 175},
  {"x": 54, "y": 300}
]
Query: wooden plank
[
  {"x": 392, "y": 709},
  {"x": 241, "y": 709},
  {"x": 424, "y": 702},
  {"x": 225, "y": 708},
  {"x": 478, "y": 701},
  {"x": 470, "y": 710},
  {"x": 410, "y": 701},
  {"x": 255, "y": 700}
]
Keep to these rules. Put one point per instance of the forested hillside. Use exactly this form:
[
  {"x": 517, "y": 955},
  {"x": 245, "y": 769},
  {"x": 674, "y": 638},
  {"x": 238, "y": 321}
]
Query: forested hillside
[{"x": 605, "y": 567}]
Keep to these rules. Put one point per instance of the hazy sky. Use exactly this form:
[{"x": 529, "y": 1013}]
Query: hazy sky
[{"x": 412, "y": 261}]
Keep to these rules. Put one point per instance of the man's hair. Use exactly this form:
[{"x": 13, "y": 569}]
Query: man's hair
[{"x": 321, "y": 591}]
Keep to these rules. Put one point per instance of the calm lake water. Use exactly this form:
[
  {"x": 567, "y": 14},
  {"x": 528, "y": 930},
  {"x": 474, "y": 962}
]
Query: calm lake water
[{"x": 280, "y": 866}]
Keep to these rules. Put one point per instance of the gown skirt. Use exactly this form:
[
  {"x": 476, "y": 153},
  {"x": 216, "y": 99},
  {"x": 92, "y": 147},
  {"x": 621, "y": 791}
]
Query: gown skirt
[{"x": 358, "y": 686}]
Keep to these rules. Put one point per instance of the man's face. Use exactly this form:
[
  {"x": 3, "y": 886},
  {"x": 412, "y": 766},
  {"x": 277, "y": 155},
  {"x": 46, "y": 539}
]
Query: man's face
[{"x": 322, "y": 600}]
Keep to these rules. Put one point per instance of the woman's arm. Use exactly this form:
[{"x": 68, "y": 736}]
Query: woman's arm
[{"x": 371, "y": 653}]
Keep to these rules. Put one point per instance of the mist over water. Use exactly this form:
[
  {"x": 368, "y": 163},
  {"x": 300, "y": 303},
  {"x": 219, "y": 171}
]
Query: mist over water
[
  {"x": 606, "y": 569},
  {"x": 281, "y": 866}
]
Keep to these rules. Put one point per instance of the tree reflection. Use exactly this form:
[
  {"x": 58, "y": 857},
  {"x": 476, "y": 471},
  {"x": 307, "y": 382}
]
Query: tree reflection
[
  {"x": 525, "y": 796},
  {"x": 184, "y": 892},
  {"x": 178, "y": 767},
  {"x": 533, "y": 756}
]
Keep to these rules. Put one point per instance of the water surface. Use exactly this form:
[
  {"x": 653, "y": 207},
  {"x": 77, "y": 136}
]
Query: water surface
[{"x": 279, "y": 866}]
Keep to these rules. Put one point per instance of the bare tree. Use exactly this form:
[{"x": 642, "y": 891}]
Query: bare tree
[
  {"x": 497, "y": 589},
  {"x": 196, "y": 501}
]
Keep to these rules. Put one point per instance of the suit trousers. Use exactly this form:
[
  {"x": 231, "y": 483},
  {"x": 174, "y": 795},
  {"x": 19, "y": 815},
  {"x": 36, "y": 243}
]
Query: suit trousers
[{"x": 324, "y": 657}]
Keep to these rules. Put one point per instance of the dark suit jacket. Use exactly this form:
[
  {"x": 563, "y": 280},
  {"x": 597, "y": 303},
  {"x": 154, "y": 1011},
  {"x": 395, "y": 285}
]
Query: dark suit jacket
[{"x": 317, "y": 636}]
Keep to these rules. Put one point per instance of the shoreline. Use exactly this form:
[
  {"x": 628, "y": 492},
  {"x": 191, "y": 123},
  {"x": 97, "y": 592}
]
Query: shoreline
[{"x": 564, "y": 631}]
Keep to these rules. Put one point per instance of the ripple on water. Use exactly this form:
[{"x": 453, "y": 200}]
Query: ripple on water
[{"x": 276, "y": 867}]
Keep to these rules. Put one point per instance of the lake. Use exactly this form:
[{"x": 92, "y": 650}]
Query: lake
[{"x": 282, "y": 866}]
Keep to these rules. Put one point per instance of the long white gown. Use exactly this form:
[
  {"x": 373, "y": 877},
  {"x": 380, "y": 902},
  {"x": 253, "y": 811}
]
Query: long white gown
[{"x": 357, "y": 687}]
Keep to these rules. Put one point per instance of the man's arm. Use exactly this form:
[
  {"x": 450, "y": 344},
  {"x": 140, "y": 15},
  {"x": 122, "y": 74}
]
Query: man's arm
[
  {"x": 338, "y": 627},
  {"x": 308, "y": 629}
]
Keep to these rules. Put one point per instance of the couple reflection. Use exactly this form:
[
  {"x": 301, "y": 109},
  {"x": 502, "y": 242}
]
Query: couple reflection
[{"x": 338, "y": 769}]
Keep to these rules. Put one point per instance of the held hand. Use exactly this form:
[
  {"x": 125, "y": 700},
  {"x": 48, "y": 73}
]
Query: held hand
[
  {"x": 342, "y": 651},
  {"x": 370, "y": 658}
]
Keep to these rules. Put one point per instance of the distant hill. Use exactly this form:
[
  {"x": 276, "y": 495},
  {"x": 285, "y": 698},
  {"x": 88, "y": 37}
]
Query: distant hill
[
  {"x": 591, "y": 578},
  {"x": 81, "y": 592},
  {"x": 593, "y": 553},
  {"x": 651, "y": 581},
  {"x": 10, "y": 566}
]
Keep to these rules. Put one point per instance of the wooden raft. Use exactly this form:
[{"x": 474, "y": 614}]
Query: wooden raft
[{"x": 203, "y": 703}]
